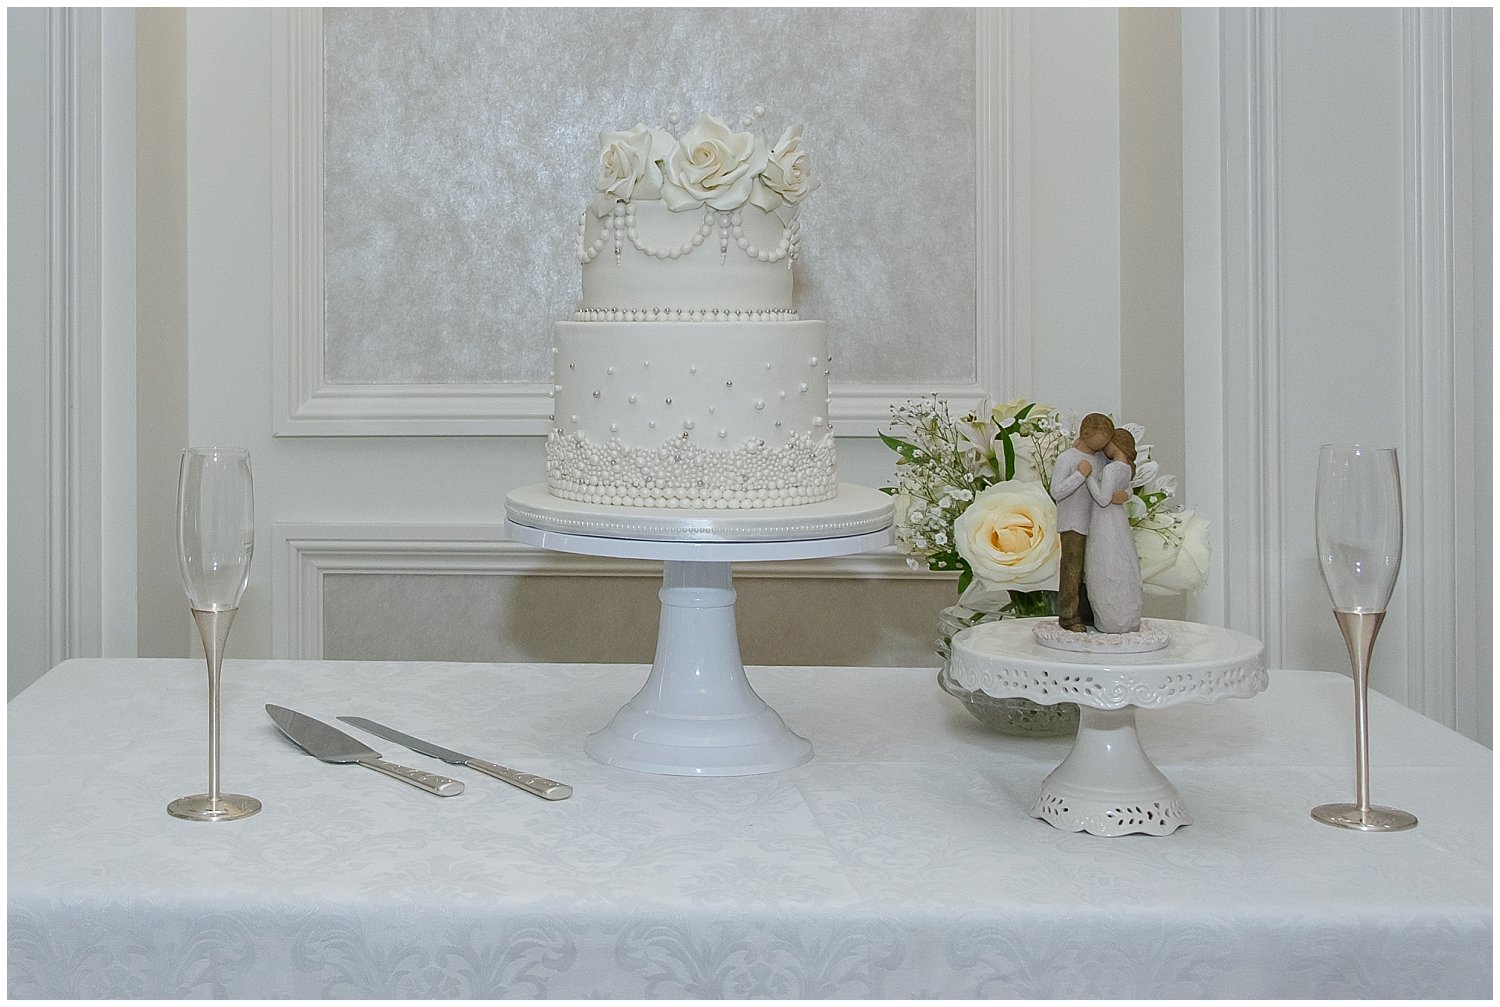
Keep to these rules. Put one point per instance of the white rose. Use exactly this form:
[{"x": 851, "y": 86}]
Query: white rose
[
  {"x": 1174, "y": 552},
  {"x": 1008, "y": 536},
  {"x": 1026, "y": 471},
  {"x": 628, "y": 167},
  {"x": 709, "y": 164},
  {"x": 902, "y": 502},
  {"x": 788, "y": 174}
]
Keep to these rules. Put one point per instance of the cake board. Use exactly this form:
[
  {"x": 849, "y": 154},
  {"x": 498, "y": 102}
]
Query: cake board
[
  {"x": 697, "y": 714},
  {"x": 1108, "y": 785}
]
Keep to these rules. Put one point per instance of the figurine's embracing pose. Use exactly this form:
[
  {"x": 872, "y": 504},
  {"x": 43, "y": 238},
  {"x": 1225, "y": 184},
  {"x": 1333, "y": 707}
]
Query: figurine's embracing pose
[
  {"x": 1111, "y": 569},
  {"x": 1075, "y": 510}
]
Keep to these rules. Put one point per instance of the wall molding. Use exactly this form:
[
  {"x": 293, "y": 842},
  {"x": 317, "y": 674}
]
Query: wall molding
[
  {"x": 1253, "y": 548},
  {"x": 303, "y": 554},
  {"x": 307, "y": 404},
  {"x": 74, "y": 363},
  {"x": 1445, "y": 594},
  {"x": 1439, "y": 482}
]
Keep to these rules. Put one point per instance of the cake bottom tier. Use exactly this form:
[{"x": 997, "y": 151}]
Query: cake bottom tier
[{"x": 717, "y": 415}]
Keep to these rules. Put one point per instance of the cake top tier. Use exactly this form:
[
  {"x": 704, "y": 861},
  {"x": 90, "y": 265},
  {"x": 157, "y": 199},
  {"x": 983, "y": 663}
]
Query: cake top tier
[{"x": 694, "y": 225}]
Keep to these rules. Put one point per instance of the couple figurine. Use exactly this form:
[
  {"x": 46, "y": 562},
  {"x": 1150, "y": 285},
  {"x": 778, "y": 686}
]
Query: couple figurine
[{"x": 1100, "y": 579}]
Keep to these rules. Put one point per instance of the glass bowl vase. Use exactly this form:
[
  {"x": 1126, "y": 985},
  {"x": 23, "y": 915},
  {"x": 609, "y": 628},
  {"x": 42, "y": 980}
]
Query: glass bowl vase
[{"x": 1017, "y": 717}]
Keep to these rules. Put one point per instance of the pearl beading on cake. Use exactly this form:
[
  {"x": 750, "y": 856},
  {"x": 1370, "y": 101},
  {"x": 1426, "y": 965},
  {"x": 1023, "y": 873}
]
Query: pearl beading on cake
[
  {"x": 680, "y": 474},
  {"x": 685, "y": 315},
  {"x": 618, "y": 228}
]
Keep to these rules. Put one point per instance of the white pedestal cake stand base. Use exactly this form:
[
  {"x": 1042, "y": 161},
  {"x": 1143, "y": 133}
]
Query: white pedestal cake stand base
[
  {"x": 697, "y": 714},
  {"x": 1108, "y": 786}
]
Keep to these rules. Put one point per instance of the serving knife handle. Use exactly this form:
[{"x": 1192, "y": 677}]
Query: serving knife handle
[
  {"x": 430, "y": 782},
  {"x": 539, "y": 785}
]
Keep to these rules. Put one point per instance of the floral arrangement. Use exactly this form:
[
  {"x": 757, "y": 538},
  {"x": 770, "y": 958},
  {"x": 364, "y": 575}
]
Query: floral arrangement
[
  {"x": 973, "y": 495},
  {"x": 708, "y": 165}
]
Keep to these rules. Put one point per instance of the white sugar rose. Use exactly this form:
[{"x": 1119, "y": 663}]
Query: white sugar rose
[
  {"x": 711, "y": 165},
  {"x": 1174, "y": 552},
  {"x": 628, "y": 167},
  {"x": 1008, "y": 536},
  {"x": 788, "y": 175}
]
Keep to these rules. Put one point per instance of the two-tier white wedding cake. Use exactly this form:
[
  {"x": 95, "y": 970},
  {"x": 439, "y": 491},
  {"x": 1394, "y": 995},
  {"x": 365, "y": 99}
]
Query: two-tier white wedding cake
[{"x": 686, "y": 379}]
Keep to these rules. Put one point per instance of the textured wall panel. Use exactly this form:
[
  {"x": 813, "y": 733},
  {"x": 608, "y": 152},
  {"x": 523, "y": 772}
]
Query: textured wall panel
[
  {"x": 449, "y": 617},
  {"x": 460, "y": 147}
]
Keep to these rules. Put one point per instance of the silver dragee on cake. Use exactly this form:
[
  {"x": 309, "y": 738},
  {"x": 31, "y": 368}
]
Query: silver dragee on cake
[{"x": 685, "y": 378}]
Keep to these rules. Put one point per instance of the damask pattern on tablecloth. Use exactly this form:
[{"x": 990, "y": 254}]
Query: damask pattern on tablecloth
[{"x": 900, "y": 862}]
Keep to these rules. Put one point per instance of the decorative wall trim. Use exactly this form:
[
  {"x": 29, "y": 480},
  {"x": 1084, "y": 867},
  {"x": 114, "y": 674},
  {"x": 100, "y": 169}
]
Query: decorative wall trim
[
  {"x": 1002, "y": 285},
  {"x": 74, "y": 288},
  {"x": 306, "y": 404},
  {"x": 1253, "y": 548},
  {"x": 1441, "y": 447},
  {"x": 303, "y": 554}
]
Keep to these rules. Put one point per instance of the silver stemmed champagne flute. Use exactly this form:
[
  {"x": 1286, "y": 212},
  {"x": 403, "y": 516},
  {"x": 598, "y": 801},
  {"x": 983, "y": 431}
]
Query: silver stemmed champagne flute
[
  {"x": 215, "y": 539},
  {"x": 1359, "y": 553}
]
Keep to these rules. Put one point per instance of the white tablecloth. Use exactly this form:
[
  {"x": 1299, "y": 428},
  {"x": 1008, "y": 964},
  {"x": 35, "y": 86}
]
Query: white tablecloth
[{"x": 899, "y": 862}]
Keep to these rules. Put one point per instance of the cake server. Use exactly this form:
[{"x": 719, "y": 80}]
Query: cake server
[
  {"x": 538, "y": 785},
  {"x": 332, "y": 745}
]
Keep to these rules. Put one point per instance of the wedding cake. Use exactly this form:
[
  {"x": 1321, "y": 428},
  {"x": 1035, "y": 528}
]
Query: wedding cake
[{"x": 685, "y": 378}]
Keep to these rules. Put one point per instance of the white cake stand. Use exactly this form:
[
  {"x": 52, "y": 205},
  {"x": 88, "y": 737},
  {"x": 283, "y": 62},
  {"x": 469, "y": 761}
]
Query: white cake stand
[
  {"x": 697, "y": 714},
  {"x": 1107, "y": 786}
]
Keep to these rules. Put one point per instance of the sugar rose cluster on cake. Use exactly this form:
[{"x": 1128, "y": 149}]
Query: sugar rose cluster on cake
[
  {"x": 708, "y": 165},
  {"x": 685, "y": 378}
]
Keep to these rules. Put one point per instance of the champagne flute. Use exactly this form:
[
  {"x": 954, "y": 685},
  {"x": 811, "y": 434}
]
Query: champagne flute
[
  {"x": 215, "y": 539},
  {"x": 1359, "y": 553}
]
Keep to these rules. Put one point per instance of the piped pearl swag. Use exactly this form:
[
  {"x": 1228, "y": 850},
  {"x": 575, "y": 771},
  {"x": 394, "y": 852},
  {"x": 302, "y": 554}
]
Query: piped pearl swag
[
  {"x": 618, "y": 228},
  {"x": 685, "y": 315}
]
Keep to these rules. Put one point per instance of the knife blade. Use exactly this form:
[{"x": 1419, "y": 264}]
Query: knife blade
[
  {"x": 329, "y": 744},
  {"x": 539, "y": 785}
]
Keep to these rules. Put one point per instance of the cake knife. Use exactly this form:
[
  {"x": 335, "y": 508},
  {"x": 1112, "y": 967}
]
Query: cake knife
[
  {"x": 332, "y": 745},
  {"x": 539, "y": 785}
]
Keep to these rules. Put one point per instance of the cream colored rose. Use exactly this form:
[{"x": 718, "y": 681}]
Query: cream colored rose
[
  {"x": 1174, "y": 552},
  {"x": 709, "y": 164},
  {"x": 1008, "y": 536},
  {"x": 628, "y": 167},
  {"x": 788, "y": 175}
]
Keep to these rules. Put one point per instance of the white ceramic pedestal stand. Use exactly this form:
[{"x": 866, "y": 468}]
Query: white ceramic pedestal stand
[
  {"x": 1107, "y": 786},
  {"x": 697, "y": 714}
]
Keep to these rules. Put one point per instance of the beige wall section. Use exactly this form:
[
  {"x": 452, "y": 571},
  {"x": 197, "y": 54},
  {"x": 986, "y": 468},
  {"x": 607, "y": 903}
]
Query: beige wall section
[
  {"x": 164, "y": 628},
  {"x": 1151, "y": 238},
  {"x": 863, "y": 623},
  {"x": 1075, "y": 210}
]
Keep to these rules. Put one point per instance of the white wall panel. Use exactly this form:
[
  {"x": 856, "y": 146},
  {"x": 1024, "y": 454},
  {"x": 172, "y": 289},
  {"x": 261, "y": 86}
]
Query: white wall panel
[
  {"x": 1342, "y": 271},
  {"x": 1341, "y": 154},
  {"x": 358, "y": 228},
  {"x": 1074, "y": 121},
  {"x": 71, "y": 461},
  {"x": 460, "y": 146}
]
